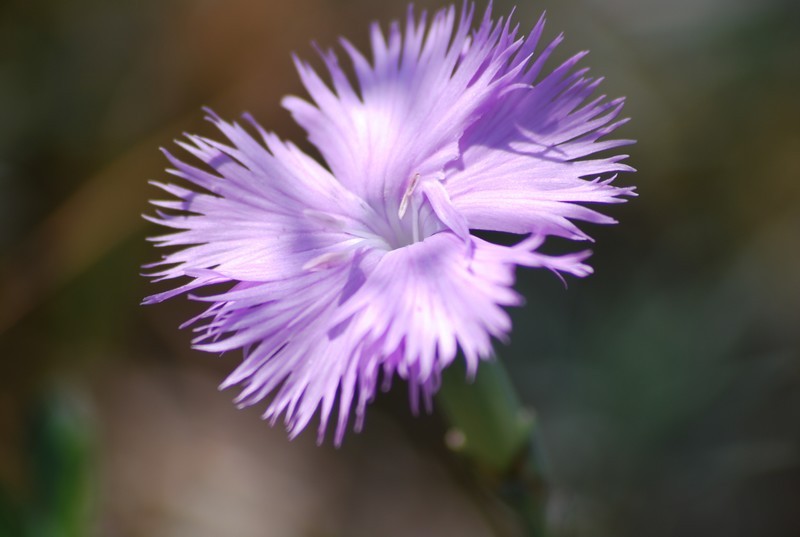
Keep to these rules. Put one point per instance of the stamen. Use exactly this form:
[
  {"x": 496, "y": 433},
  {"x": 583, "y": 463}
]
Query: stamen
[
  {"x": 415, "y": 225},
  {"x": 412, "y": 185}
]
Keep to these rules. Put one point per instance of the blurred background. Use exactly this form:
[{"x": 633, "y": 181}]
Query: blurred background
[{"x": 667, "y": 385}]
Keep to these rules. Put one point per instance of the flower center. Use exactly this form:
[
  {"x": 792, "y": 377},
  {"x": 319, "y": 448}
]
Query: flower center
[
  {"x": 413, "y": 221},
  {"x": 385, "y": 228}
]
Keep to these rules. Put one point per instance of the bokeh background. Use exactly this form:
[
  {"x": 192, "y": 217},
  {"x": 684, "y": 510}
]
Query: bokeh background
[{"x": 667, "y": 385}]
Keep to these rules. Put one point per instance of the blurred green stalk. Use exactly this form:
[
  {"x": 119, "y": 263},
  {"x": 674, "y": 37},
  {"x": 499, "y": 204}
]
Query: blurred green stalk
[{"x": 492, "y": 429}]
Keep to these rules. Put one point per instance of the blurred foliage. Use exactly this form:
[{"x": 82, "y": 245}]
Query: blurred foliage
[
  {"x": 667, "y": 384},
  {"x": 59, "y": 452}
]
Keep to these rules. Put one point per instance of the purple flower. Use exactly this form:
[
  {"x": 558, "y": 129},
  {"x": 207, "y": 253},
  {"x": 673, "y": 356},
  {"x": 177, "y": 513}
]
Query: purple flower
[{"x": 344, "y": 274}]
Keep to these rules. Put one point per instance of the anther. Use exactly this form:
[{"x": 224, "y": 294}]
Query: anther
[{"x": 412, "y": 185}]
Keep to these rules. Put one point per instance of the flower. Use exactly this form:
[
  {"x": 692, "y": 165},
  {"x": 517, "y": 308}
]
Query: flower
[{"x": 366, "y": 268}]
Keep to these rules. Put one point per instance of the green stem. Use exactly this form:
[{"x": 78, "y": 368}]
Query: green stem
[{"x": 492, "y": 429}]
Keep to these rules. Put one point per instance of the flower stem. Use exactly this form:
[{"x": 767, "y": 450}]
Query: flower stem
[{"x": 492, "y": 429}]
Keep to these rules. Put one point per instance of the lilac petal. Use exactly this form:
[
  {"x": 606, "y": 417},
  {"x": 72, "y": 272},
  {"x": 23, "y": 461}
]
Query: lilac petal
[
  {"x": 429, "y": 298},
  {"x": 411, "y": 105},
  {"x": 523, "y": 165},
  {"x": 261, "y": 222}
]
